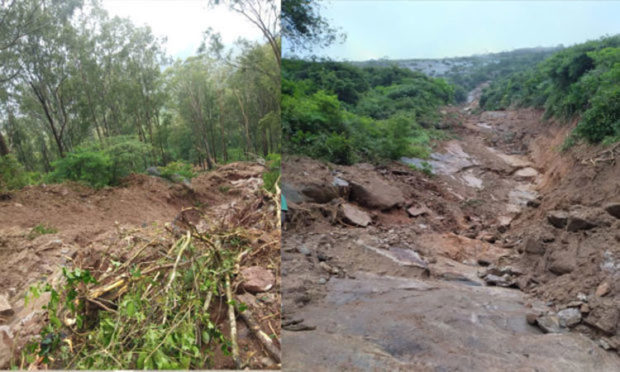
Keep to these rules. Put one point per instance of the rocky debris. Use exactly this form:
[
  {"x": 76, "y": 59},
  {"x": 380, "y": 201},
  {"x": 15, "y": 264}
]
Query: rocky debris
[
  {"x": 257, "y": 279},
  {"x": 376, "y": 193},
  {"x": 531, "y": 318},
  {"x": 549, "y": 323},
  {"x": 604, "y": 315},
  {"x": 526, "y": 174},
  {"x": 6, "y": 310},
  {"x": 533, "y": 246},
  {"x": 535, "y": 203},
  {"x": 504, "y": 276},
  {"x": 602, "y": 289},
  {"x": 579, "y": 221},
  {"x": 500, "y": 281},
  {"x": 557, "y": 219},
  {"x": 613, "y": 209},
  {"x": 319, "y": 193},
  {"x": 329, "y": 269},
  {"x": 355, "y": 216},
  {"x": 569, "y": 317},
  {"x": 489, "y": 237},
  {"x": 418, "y": 211}
]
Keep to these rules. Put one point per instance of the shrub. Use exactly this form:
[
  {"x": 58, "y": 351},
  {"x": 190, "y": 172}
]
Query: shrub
[
  {"x": 12, "y": 174},
  {"x": 91, "y": 167},
  {"x": 177, "y": 168}
]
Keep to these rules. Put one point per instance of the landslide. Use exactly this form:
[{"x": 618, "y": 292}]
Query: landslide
[{"x": 49, "y": 227}]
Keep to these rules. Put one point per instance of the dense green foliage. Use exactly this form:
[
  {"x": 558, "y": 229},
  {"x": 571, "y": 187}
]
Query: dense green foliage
[
  {"x": 345, "y": 114},
  {"x": 12, "y": 174},
  {"x": 88, "y": 97},
  {"x": 582, "y": 80}
]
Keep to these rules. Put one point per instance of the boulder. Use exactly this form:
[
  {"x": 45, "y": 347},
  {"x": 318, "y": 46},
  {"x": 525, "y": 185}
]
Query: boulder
[
  {"x": 533, "y": 246},
  {"x": 257, "y": 279},
  {"x": 557, "y": 219},
  {"x": 579, "y": 221},
  {"x": 355, "y": 216},
  {"x": 613, "y": 209},
  {"x": 319, "y": 193},
  {"x": 375, "y": 193},
  {"x": 6, "y": 309},
  {"x": 549, "y": 323},
  {"x": 569, "y": 317}
]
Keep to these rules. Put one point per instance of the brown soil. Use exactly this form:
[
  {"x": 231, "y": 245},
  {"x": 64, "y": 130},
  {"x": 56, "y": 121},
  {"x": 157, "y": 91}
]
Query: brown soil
[
  {"x": 496, "y": 181},
  {"x": 94, "y": 225}
]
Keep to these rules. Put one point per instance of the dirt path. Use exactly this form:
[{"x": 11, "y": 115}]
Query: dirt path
[{"x": 406, "y": 293}]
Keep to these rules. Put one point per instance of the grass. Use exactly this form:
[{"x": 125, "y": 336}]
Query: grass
[{"x": 41, "y": 229}]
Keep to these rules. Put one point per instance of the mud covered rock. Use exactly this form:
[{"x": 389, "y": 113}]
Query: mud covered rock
[
  {"x": 373, "y": 192},
  {"x": 355, "y": 216},
  {"x": 257, "y": 279},
  {"x": 602, "y": 289},
  {"x": 533, "y": 246},
  {"x": 557, "y": 219},
  {"x": 561, "y": 262},
  {"x": 604, "y": 315}
]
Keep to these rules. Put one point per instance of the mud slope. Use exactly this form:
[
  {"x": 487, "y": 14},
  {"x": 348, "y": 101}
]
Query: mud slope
[
  {"x": 388, "y": 268},
  {"x": 93, "y": 225}
]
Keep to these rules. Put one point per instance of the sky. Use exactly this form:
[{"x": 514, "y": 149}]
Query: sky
[
  {"x": 183, "y": 22},
  {"x": 438, "y": 29}
]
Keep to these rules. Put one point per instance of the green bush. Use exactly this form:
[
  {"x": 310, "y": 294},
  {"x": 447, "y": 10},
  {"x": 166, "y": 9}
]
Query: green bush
[
  {"x": 177, "y": 168},
  {"x": 12, "y": 174},
  {"x": 91, "y": 167}
]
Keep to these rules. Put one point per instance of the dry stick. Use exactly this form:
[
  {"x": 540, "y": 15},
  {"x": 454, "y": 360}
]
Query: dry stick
[
  {"x": 260, "y": 335},
  {"x": 233, "y": 324},
  {"x": 176, "y": 263}
]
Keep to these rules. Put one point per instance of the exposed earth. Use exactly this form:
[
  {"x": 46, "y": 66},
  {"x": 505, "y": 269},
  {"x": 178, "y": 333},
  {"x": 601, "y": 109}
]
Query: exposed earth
[
  {"x": 506, "y": 257},
  {"x": 92, "y": 226}
]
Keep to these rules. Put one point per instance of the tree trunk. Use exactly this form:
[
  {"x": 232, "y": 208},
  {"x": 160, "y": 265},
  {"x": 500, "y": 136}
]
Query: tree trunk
[{"x": 4, "y": 149}]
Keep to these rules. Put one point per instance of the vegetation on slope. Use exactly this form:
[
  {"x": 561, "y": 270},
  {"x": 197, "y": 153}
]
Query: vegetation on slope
[
  {"x": 346, "y": 114},
  {"x": 583, "y": 81}
]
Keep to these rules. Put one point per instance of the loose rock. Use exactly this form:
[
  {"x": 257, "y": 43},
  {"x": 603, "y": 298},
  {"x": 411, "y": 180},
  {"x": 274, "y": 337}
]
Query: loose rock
[
  {"x": 578, "y": 221},
  {"x": 533, "y": 246},
  {"x": 549, "y": 323},
  {"x": 602, "y": 289},
  {"x": 557, "y": 219},
  {"x": 613, "y": 209},
  {"x": 257, "y": 279},
  {"x": 376, "y": 193},
  {"x": 354, "y": 215},
  {"x": 5, "y": 306},
  {"x": 418, "y": 211},
  {"x": 569, "y": 317}
]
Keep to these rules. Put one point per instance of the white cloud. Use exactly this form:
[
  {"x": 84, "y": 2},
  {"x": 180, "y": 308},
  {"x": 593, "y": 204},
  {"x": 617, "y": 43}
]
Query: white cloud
[{"x": 183, "y": 22}]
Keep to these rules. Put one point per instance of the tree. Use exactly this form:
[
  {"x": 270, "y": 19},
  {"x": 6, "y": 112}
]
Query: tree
[{"x": 303, "y": 27}]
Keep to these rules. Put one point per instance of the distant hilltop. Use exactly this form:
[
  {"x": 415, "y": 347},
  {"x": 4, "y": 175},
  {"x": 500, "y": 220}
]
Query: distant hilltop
[{"x": 444, "y": 67}]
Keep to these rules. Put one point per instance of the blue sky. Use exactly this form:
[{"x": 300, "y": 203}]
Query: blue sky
[{"x": 437, "y": 29}]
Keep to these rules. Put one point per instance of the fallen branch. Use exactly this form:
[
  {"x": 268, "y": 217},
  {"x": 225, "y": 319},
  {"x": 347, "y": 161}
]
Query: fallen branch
[
  {"x": 176, "y": 263},
  {"x": 233, "y": 323},
  {"x": 265, "y": 340}
]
